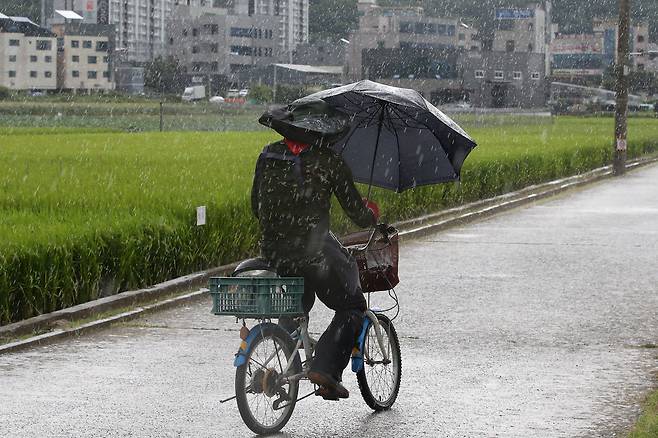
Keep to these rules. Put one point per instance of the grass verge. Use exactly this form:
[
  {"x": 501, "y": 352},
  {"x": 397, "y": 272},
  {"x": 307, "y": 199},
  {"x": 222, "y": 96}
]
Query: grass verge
[{"x": 647, "y": 424}]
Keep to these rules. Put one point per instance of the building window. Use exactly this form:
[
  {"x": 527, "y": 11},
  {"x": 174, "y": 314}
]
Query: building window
[
  {"x": 517, "y": 76},
  {"x": 530, "y": 27},
  {"x": 640, "y": 67},
  {"x": 106, "y": 59},
  {"x": 214, "y": 48},
  {"x": 640, "y": 38},
  {"x": 106, "y": 74},
  {"x": 14, "y": 43},
  {"x": 75, "y": 44},
  {"x": 535, "y": 76},
  {"x": 214, "y": 29},
  {"x": 241, "y": 32},
  {"x": 86, "y": 44},
  {"x": 33, "y": 74},
  {"x": 75, "y": 58},
  {"x": 195, "y": 32},
  {"x": 92, "y": 75},
  {"x": 48, "y": 58},
  {"x": 92, "y": 60},
  {"x": 241, "y": 50},
  {"x": 479, "y": 74},
  {"x": 101, "y": 46},
  {"x": 75, "y": 74},
  {"x": 214, "y": 66},
  {"x": 184, "y": 32},
  {"x": 498, "y": 74},
  {"x": 44, "y": 44},
  {"x": 12, "y": 73},
  {"x": 48, "y": 74},
  {"x": 195, "y": 49},
  {"x": 12, "y": 58},
  {"x": 509, "y": 46},
  {"x": 171, "y": 41},
  {"x": 33, "y": 58},
  {"x": 530, "y": 47}
]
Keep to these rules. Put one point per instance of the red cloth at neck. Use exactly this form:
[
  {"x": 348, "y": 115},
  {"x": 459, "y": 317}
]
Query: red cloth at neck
[{"x": 295, "y": 147}]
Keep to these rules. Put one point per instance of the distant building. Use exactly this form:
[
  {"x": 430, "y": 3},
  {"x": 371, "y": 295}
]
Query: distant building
[
  {"x": 28, "y": 55},
  {"x": 129, "y": 79},
  {"x": 504, "y": 79},
  {"x": 321, "y": 52},
  {"x": 85, "y": 61},
  {"x": 639, "y": 40},
  {"x": 221, "y": 48},
  {"x": 578, "y": 56},
  {"x": 388, "y": 37},
  {"x": 291, "y": 17},
  {"x": 524, "y": 30}
]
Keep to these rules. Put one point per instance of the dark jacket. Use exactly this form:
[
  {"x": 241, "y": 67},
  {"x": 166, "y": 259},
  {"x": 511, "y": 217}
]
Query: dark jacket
[{"x": 291, "y": 197}]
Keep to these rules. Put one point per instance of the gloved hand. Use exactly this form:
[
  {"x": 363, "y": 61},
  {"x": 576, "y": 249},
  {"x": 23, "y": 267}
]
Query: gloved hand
[{"x": 372, "y": 205}]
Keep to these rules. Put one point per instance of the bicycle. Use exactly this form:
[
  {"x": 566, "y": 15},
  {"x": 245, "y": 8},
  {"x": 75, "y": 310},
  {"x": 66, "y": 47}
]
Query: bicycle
[{"x": 269, "y": 366}]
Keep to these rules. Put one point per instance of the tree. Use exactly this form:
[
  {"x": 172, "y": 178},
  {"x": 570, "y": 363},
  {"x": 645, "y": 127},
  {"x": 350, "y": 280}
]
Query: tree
[
  {"x": 164, "y": 75},
  {"x": 332, "y": 19}
]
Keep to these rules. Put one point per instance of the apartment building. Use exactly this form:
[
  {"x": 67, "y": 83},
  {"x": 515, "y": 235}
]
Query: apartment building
[
  {"x": 402, "y": 42},
  {"x": 291, "y": 16},
  {"x": 85, "y": 57},
  {"x": 28, "y": 55},
  {"x": 222, "y": 47},
  {"x": 524, "y": 30}
]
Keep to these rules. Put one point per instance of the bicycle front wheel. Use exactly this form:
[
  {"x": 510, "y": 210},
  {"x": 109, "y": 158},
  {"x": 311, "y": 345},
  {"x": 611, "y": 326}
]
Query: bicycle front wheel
[
  {"x": 379, "y": 379},
  {"x": 266, "y": 399}
]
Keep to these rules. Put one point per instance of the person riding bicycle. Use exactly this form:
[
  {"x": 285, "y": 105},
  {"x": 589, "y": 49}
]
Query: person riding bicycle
[{"x": 291, "y": 197}]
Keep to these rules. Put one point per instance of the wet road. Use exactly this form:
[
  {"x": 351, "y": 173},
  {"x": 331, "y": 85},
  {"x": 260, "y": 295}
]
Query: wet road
[{"x": 529, "y": 324}]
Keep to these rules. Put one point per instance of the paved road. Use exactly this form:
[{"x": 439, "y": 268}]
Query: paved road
[{"x": 529, "y": 324}]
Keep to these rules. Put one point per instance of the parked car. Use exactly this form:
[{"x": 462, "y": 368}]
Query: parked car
[{"x": 216, "y": 99}]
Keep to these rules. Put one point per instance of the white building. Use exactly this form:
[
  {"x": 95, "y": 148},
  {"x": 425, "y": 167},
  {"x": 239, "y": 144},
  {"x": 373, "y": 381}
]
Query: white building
[
  {"x": 28, "y": 55},
  {"x": 292, "y": 16},
  {"x": 84, "y": 57}
]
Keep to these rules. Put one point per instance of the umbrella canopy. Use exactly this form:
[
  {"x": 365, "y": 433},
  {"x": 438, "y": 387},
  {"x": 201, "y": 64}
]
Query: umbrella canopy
[{"x": 397, "y": 140}]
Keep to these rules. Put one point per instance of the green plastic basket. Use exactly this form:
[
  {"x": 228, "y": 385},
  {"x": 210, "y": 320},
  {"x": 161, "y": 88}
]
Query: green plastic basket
[{"x": 257, "y": 297}]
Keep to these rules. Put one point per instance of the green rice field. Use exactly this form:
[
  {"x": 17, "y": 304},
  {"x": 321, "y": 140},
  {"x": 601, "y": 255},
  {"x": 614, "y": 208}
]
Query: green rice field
[{"x": 89, "y": 212}]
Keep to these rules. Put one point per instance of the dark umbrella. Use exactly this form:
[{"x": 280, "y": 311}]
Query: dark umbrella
[{"x": 397, "y": 140}]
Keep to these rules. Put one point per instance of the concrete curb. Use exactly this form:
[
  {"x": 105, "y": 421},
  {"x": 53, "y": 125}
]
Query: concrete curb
[{"x": 409, "y": 229}]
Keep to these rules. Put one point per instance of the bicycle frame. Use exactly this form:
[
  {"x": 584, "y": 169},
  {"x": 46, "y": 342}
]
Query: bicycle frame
[{"x": 305, "y": 339}]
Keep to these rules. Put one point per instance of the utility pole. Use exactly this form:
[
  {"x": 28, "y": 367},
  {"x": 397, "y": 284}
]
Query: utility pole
[{"x": 621, "y": 110}]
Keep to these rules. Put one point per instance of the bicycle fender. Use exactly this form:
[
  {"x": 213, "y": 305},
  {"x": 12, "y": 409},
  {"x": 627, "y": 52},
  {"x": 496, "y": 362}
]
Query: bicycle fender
[
  {"x": 357, "y": 353},
  {"x": 241, "y": 355}
]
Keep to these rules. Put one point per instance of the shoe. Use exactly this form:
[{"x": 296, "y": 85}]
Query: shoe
[{"x": 329, "y": 386}]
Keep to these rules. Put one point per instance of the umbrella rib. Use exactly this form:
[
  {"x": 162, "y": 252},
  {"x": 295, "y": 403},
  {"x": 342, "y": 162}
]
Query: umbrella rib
[
  {"x": 400, "y": 112},
  {"x": 357, "y": 126},
  {"x": 345, "y": 96}
]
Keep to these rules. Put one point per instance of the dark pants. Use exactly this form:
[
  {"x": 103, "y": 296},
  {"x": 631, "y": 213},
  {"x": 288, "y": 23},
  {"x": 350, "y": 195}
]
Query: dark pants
[{"x": 335, "y": 281}]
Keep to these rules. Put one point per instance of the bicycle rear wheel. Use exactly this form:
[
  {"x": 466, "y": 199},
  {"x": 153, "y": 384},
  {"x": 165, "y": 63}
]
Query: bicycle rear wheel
[
  {"x": 265, "y": 400},
  {"x": 379, "y": 380}
]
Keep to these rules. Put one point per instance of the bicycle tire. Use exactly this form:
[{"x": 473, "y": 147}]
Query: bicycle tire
[
  {"x": 373, "y": 400},
  {"x": 249, "y": 368}
]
